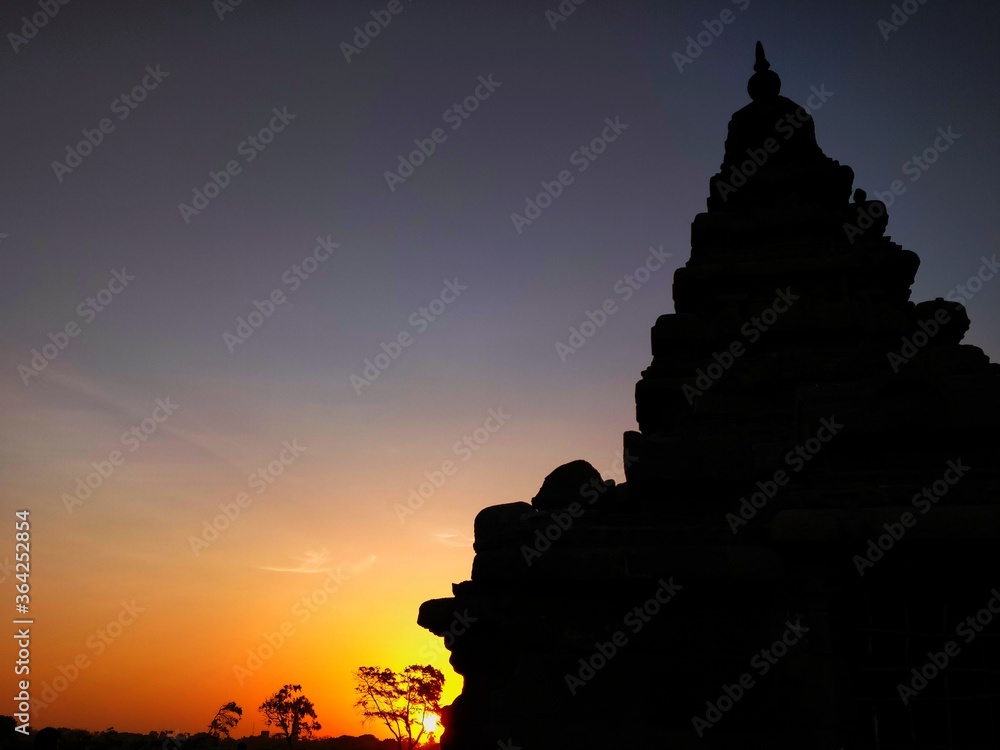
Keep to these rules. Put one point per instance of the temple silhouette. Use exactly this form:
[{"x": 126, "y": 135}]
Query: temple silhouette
[{"x": 804, "y": 553}]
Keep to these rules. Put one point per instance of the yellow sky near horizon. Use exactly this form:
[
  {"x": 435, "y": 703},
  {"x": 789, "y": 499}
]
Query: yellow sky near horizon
[{"x": 315, "y": 576}]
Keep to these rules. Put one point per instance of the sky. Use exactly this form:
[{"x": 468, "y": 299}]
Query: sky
[{"x": 261, "y": 281}]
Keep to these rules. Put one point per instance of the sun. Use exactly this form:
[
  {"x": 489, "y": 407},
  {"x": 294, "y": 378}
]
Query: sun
[{"x": 432, "y": 723}]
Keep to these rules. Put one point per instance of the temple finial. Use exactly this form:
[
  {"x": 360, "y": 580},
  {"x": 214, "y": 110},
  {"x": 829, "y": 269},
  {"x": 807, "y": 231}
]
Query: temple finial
[
  {"x": 761, "y": 64},
  {"x": 764, "y": 84}
]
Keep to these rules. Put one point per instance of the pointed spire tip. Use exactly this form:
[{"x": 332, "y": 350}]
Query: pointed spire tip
[{"x": 761, "y": 64}]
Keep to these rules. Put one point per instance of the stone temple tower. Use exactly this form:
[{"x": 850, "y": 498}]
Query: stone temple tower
[{"x": 806, "y": 552}]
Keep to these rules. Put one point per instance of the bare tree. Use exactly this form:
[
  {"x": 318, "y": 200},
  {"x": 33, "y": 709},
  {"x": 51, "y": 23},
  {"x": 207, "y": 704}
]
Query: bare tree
[{"x": 400, "y": 700}]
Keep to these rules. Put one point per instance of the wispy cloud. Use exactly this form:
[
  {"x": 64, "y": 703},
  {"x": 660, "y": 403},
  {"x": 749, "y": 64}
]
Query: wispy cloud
[
  {"x": 319, "y": 562},
  {"x": 73, "y": 395},
  {"x": 454, "y": 540}
]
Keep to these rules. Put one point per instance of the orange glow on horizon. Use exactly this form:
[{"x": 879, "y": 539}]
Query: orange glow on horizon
[{"x": 315, "y": 578}]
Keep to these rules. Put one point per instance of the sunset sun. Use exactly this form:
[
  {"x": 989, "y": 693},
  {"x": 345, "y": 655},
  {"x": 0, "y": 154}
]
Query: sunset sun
[{"x": 432, "y": 723}]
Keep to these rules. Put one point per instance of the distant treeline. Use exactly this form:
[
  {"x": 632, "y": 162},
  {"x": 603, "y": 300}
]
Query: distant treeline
[{"x": 81, "y": 739}]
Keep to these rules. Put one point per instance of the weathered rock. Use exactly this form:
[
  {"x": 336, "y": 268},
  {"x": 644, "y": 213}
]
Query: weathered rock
[
  {"x": 563, "y": 486},
  {"x": 497, "y": 525}
]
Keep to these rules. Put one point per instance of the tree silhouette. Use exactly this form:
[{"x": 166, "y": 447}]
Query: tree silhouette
[
  {"x": 225, "y": 719},
  {"x": 401, "y": 700},
  {"x": 291, "y": 713}
]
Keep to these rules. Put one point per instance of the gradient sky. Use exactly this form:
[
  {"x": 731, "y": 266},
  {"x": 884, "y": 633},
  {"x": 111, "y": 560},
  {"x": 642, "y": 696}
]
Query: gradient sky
[{"x": 332, "y": 508}]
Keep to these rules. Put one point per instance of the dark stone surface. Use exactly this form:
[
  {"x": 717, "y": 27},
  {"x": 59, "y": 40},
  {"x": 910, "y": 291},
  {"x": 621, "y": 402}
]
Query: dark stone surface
[
  {"x": 562, "y": 486},
  {"x": 816, "y": 460}
]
